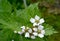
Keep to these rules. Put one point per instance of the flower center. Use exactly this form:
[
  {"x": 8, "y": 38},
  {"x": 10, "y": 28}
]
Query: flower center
[
  {"x": 37, "y": 21},
  {"x": 38, "y": 31}
]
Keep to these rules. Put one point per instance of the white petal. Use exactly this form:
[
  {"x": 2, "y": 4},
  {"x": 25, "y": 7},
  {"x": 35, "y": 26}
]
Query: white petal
[
  {"x": 35, "y": 29},
  {"x": 41, "y": 21},
  {"x": 23, "y": 30},
  {"x": 42, "y": 31},
  {"x": 30, "y": 30},
  {"x": 32, "y": 37},
  {"x": 15, "y": 31},
  {"x": 35, "y": 33},
  {"x": 27, "y": 34},
  {"x": 37, "y": 17},
  {"x": 40, "y": 27},
  {"x": 23, "y": 27},
  {"x": 12, "y": 40},
  {"x": 32, "y": 20},
  {"x": 35, "y": 24},
  {"x": 20, "y": 32},
  {"x": 40, "y": 35}
]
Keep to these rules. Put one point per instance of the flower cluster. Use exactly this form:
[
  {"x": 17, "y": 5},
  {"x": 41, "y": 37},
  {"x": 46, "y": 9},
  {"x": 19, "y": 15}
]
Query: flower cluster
[{"x": 36, "y": 30}]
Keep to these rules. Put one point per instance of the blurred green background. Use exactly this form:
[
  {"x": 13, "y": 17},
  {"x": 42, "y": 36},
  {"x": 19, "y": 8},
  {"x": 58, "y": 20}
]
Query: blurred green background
[{"x": 10, "y": 9}]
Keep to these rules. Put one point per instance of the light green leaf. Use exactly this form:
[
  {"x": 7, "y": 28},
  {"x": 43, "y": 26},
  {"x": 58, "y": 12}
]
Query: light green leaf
[{"x": 49, "y": 29}]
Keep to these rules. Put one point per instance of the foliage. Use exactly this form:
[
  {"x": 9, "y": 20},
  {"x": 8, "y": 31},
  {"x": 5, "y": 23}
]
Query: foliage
[{"x": 10, "y": 21}]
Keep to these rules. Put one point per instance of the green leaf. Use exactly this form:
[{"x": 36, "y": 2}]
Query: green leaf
[
  {"x": 5, "y": 6},
  {"x": 13, "y": 21},
  {"x": 27, "y": 13},
  {"x": 49, "y": 29}
]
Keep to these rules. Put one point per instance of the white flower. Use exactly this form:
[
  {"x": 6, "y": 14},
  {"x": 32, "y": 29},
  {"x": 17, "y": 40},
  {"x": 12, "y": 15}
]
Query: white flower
[
  {"x": 36, "y": 20},
  {"x": 32, "y": 20},
  {"x": 12, "y": 40},
  {"x": 35, "y": 33},
  {"x": 23, "y": 27},
  {"x": 15, "y": 31},
  {"x": 20, "y": 32},
  {"x": 42, "y": 31},
  {"x": 32, "y": 37},
  {"x": 23, "y": 30},
  {"x": 41, "y": 35},
  {"x": 37, "y": 17},
  {"x": 35, "y": 24},
  {"x": 41, "y": 21},
  {"x": 30, "y": 30},
  {"x": 35, "y": 29},
  {"x": 40, "y": 27},
  {"x": 27, "y": 34}
]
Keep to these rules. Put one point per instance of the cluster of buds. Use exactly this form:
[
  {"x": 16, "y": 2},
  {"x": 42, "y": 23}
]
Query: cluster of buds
[{"x": 36, "y": 30}]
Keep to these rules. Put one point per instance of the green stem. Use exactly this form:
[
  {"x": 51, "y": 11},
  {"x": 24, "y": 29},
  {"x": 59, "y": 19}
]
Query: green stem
[{"x": 25, "y": 4}]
